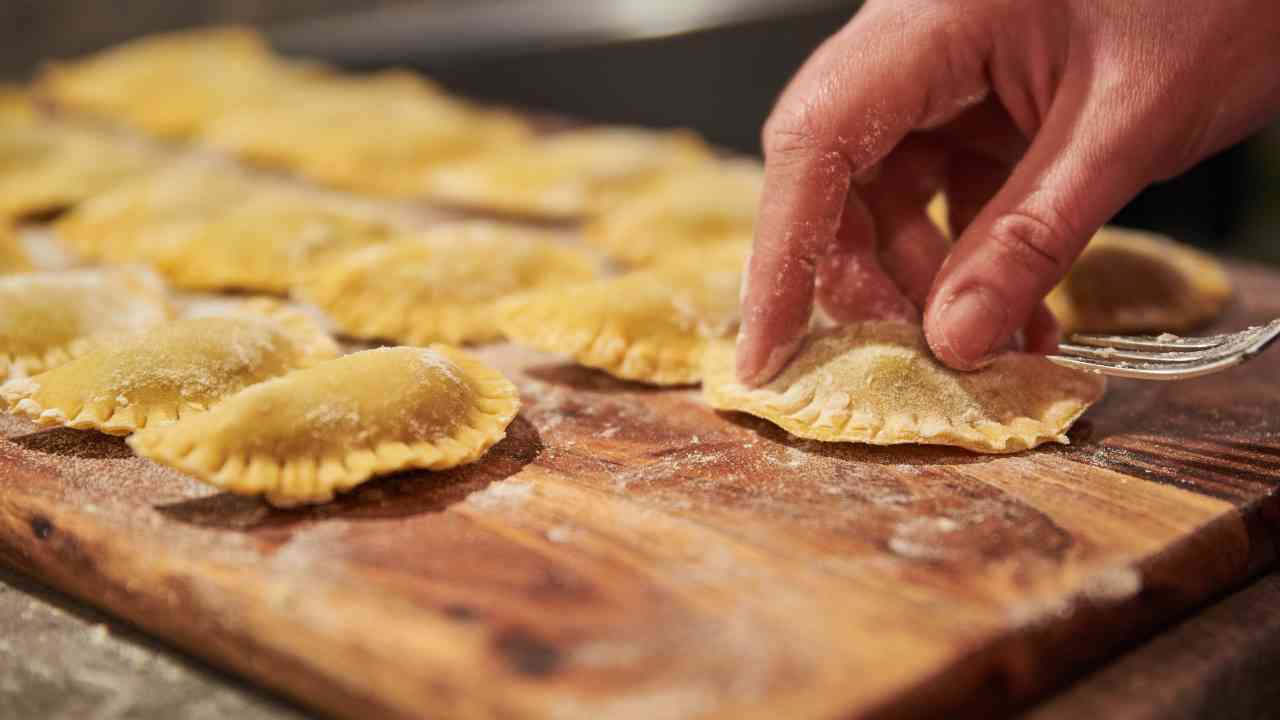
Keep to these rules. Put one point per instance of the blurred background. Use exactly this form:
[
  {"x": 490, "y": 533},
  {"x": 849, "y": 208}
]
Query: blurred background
[{"x": 713, "y": 65}]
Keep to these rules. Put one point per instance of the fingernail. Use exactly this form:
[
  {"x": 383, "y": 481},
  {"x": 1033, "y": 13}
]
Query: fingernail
[{"x": 972, "y": 324}]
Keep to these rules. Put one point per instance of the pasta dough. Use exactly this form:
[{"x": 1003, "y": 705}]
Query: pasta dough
[
  {"x": 48, "y": 318},
  {"x": 652, "y": 326},
  {"x": 171, "y": 85},
  {"x": 701, "y": 207},
  {"x": 368, "y": 133},
  {"x": 261, "y": 245},
  {"x": 878, "y": 383},
  {"x": 166, "y": 373},
  {"x": 441, "y": 285},
  {"x": 123, "y": 225},
  {"x": 1128, "y": 281},
  {"x": 566, "y": 175},
  {"x": 50, "y": 166},
  {"x": 301, "y": 438},
  {"x": 209, "y": 228}
]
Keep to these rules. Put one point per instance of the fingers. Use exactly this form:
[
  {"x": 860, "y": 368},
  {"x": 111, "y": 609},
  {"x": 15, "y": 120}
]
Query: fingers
[
  {"x": 911, "y": 246},
  {"x": 984, "y": 146},
  {"x": 841, "y": 115},
  {"x": 914, "y": 248},
  {"x": 1042, "y": 332},
  {"x": 851, "y": 284},
  {"x": 793, "y": 230},
  {"x": 972, "y": 180},
  {"x": 986, "y": 131},
  {"x": 1077, "y": 173}
]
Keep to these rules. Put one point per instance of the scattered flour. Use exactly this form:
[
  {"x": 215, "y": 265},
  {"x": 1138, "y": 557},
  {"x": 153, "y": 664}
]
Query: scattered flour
[
  {"x": 560, "y": 534},
  {"x": 44, "y": 249},
  {"x": 434, "y": 361},
  {"x": 505, "y": 494},
  {"x": 1113, "y": 584}
]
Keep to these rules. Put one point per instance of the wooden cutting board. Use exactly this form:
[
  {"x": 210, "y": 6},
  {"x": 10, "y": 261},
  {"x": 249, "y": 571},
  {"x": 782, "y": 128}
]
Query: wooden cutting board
[{"x": 628, "y": 553}]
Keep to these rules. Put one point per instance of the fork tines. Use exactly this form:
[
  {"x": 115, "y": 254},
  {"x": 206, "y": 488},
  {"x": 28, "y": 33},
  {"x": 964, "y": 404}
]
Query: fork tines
[{"x": 1164, "y": 357}]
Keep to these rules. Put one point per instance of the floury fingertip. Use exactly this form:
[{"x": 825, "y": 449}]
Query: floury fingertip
[{"x": 967, "y": 328}]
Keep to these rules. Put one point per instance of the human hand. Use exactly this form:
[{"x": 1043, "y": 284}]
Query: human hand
[{"x": 1038, "y": 119}]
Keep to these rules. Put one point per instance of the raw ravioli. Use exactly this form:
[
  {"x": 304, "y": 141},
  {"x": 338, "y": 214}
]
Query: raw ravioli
[
  {"x": 303, "y": 437},
  {"x": 878, "y": 383}
]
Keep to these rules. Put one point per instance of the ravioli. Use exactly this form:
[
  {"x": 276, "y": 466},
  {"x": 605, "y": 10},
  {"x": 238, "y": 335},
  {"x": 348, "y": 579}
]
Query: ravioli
[
  {"x": 373, "y": 133},
  {"x": 171, "y": 371},
  {"x": 301, "y": 438},
  {"x": 212, "y": 228},
  {"x": 48, "y": 318},
  {"x": 1128, "y": 281},
  {"x": 878, "y": 383},
  {"x": 173, "y": 84},
  {"x": 50, "y": 166},
  {"x": 440, "y": 285},
  {"x": 651, "y": 326},
  {"x": 566, "y": 175},
  {"x": 263, "y": 246},
  {"x": 119, "y": 226},
  {"x": 703, "y": 206}
]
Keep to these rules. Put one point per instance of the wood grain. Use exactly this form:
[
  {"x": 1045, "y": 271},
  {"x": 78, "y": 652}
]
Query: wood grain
[{"x": 628, "y": 553}]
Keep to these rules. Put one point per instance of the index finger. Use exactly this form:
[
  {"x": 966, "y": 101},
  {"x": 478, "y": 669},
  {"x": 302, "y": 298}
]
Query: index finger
[{"x": 894, "y": 68}]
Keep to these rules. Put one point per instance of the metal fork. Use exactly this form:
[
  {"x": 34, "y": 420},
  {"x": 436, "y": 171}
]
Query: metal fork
[{"x": 1164, "y": 357}]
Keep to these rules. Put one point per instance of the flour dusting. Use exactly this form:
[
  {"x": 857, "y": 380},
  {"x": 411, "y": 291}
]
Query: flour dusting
[{"x": 506, "y": 494}]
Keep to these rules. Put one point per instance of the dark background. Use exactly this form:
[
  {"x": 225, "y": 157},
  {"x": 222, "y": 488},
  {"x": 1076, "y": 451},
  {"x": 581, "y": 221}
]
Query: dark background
[{"x": 720, "y": 81}]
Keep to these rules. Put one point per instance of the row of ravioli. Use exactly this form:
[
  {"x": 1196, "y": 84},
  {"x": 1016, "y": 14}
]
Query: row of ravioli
[
  {"x": 393, "y": 134},
  {"x": 651, "y": 325},
  {"x": 389, "y": 279},
  {"x": 387, "y": 276},
  {"x": 644, "y": 286},
  {"x": 250, "y": 395},
  {"x": 646, "y": 200},
  {"x": 659, "y": 202},
  {"x": 669, "y": 323},
  {"x": 254, "y": 398}
]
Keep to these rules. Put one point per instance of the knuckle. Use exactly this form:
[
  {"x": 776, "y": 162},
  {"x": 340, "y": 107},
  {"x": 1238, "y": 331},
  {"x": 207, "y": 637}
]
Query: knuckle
[
  {"x": 958, "y": 43},
  {"x": 792, "y": 132},
  {"x": 1039, "y": 246},
  {"x": 957, "y": 50}
]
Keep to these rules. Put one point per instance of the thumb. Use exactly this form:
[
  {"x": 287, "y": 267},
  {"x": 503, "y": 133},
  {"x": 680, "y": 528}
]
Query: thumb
[{"x": 1081, "y": 169}]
